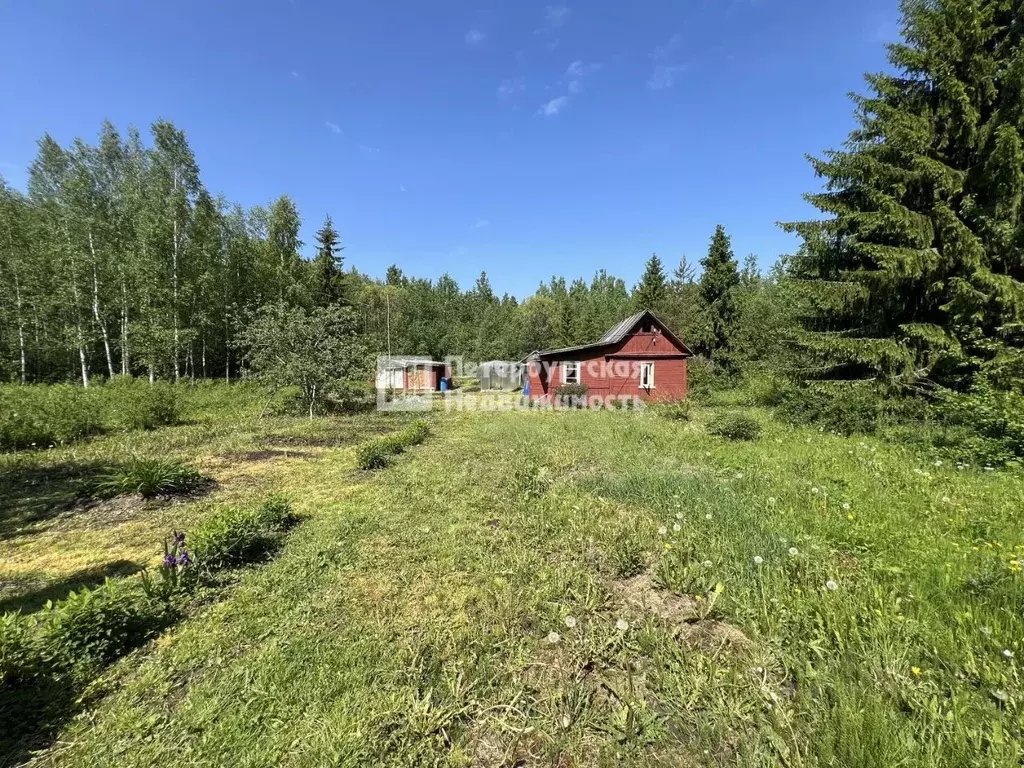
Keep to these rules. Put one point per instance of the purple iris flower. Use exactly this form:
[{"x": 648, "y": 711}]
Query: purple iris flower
[
  {"x": 179, "y": 538},
  {"x": 184, "y": 558},
  {"x": 170, "y": 561}
]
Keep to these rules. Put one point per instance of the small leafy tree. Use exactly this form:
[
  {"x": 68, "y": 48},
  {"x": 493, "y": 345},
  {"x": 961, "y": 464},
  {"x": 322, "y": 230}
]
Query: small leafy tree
[{"x": 315, "y": 350}]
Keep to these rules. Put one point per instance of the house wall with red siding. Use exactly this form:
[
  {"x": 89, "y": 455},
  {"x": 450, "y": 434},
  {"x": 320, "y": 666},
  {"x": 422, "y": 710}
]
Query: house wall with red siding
[{"x": 615, "y": 371}]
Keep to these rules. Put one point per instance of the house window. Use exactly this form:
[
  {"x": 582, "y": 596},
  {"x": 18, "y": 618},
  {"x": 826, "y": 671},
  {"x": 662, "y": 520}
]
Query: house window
[
  {"x": 646, "y": 375},
  {"x": 571, "y": 372}
]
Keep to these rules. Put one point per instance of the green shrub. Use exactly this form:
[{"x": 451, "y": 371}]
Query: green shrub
[
  {"x": 137, "y": 404},
  {"x": 736, "y": 426},
  {"x": 352, "y": 397},
  {"x": 92, "y": 627},
  {"x": 149, "y": 477},
  {"x": 41, "y": 415},
  {"x": 705, "y": 378},
  {"x": 19, "y": 658},
  {"x": 377, "y": 453},
  {"x": 678, "y": 410},
  {"x": 237, "y": 535},
  {"x": 984, "y": 425},
  {"x": 573, "y": 395}
]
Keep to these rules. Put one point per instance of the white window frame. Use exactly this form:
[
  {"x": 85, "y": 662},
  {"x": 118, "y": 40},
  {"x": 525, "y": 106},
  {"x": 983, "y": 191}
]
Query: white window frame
[
  {"x": 649, "y": 368},
  {"x": 574, "y": 365}
]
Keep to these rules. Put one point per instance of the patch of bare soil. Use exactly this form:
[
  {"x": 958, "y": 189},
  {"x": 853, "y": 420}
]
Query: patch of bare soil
[
  {"x": 642, "y": 595},
  {"x": 267, "y": 455},
  {"x": 89, "y": 513}
]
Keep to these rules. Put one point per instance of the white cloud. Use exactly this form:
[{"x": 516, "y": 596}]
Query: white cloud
[
  {"x": 664, "y": 76},
  {"x": 333, "y": 127},
  {"x": 481, "y": 223},
  {"x": 368, "y": 150},
  {"x": 553, "y": 107},
  {"x": 556, "y": 16},
  {"x": 295, "y": 74},
  {"x": 402, "y": 189},
  {"x": 669, "y": 49},
  {"x": 576, "y": 72},
  {"x": 475, "y": 37},
  {"x": 510, "y": 86}
]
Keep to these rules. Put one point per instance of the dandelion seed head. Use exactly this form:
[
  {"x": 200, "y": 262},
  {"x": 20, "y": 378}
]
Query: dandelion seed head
[
  {"x": 707, "y": 516},
  {"x": 814, "y": 490},
  {"x": 662, "y": 530},
  {"x": 831, "y": 586},
  {"x": 677, "y": 527},
  {"x": 708, "y": 564},
  {"x": 1007, "y": 653},
  {"x": 758, "y": 559},
  {"x": 570, "y": 621},
  {"x": 622, "y": 625},
  {"x": 846, "y": 506},
  {"x": 553, "y": 637},
  {"x": 793, "y": 551}
]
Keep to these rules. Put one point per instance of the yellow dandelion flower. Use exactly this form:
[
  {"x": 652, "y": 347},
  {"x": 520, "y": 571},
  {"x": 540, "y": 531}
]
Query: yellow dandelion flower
[{"x": 916, "y": 670}]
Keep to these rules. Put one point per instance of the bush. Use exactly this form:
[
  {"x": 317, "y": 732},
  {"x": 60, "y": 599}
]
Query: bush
[
  {"x": 377, "y": 453},
  {"x": 38, "y": 416},
  {"x": 137, "y": 404},
  {"x": 679, "y": 410},
  {"x": 573, "y": 395},
  {"x": 736, "y": 426},
  {"x": 18, "y": 658},
  {"x": 92, "y": 627},
  {"x": 237, "y": 535},
  {"x": 149, "y": 477},
  {"x": 705, "y": 378},
  {"x": 847, "y": 408},
  {"x": 984, "y": 425}
]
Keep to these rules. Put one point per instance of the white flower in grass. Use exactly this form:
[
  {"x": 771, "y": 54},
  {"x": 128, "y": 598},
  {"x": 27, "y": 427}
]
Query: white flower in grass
[
  {"x": 708, "y": 564},
  {"x": 758, "y": 559},
  {"x": 771, "y": 500},
  {"x": 553, "y": 637},
  {"x": 945, "y": 499},
  {"x": 815, "y": 490},
  {"x": 679, "y": 515},
  {"x": 793, "y": 551},
  {"x": 662, "y": 530},
  {"x": 677, "y": 527},
  {"x": 1007, "y": 653},
  {"x": 831, "y": 586},
  {"x": 570, "y": 621},
  {"x": 707, "y": 516},
  {"x": 846, "y": 506},
  {"x": 739, "y": 475},
  {"x": 986, "y": 630},
  {"x": 622, "y": 625}
]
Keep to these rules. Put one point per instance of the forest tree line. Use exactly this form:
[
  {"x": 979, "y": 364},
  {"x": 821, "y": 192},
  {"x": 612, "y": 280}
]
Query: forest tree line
[{"x": 119, "y": 261}]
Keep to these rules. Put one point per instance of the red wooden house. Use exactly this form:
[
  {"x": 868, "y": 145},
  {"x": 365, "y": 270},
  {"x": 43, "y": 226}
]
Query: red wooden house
[{"x": 639, "y": 357}]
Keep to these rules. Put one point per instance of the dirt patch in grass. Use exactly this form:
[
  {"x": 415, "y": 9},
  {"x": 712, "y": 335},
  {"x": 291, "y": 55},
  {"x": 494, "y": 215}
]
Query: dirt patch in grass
[
  {"x": 267, "y": 455},
  {"x": 641, "y": 594},
  {"x": 88, "y": 512}
]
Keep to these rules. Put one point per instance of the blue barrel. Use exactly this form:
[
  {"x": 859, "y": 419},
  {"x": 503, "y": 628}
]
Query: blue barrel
[
  {"x": 526, "y": 388},
  {"x": 444, "y": 383}
]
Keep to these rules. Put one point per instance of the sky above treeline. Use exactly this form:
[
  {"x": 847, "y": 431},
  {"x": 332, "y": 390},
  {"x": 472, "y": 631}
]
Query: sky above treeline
[{"x": 522, "y": 138}]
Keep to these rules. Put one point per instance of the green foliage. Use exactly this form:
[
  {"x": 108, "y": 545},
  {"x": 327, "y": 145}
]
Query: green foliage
[
  {"x": 736, "y": 426},
  {"x": 237, "y": 535},
  {"x": 845, "y": 408},
  {"x": 986, "y": 425},
  {"x": 573, "y": 395},
  {"x": 704, "y": 378},
  {"x": 915, "y": 273},
  {"x": 652, "y": 290},
  {"x": 136, "y": 404},
  {"x": 315, "y": 350},
  {"x": 718, "y": 283},
  {"x": 628, "y": 553},
  {"x": 44, "y": 415},
  {"x": 149, "y": 477},
  {"x": 678, "y": 410},
  {"x": 377, "y": 453}
]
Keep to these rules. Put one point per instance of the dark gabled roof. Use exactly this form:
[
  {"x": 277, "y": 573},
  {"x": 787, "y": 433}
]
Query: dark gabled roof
[{"x": 615, "y": 336}]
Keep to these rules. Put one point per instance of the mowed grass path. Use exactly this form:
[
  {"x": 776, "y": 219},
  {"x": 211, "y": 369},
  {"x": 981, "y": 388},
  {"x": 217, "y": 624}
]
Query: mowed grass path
[{"x": 486, "y": 601}]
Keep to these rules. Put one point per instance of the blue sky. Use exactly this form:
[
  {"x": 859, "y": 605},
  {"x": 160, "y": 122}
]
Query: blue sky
[{"x": 523, "y": 138}]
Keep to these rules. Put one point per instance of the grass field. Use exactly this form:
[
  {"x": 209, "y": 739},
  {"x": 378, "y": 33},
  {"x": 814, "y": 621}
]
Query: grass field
[{"x": 579, "y": 588}]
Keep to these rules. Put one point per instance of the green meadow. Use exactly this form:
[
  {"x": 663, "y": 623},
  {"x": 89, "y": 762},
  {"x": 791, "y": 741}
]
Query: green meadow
[{"x": 551, "y": 588}]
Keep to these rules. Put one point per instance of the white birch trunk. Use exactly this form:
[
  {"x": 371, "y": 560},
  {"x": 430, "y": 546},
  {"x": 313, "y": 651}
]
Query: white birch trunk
[{"x": 96, "y": 306}]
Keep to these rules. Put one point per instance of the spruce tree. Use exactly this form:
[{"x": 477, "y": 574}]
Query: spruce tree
[
  {"x": 651, "y": 291},
  {"x": 328, "y": 267},
  {"x": 916, "y": 276},
  {"x": 718, "y": 282}
]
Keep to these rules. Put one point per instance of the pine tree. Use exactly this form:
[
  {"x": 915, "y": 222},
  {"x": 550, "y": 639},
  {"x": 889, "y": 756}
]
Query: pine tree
[
  {"x": 917, "y": 274},
  {"x": 652, "y": 289},
  {"x": 718, "y": 282},
  {"x": 328, "y": 267}
]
